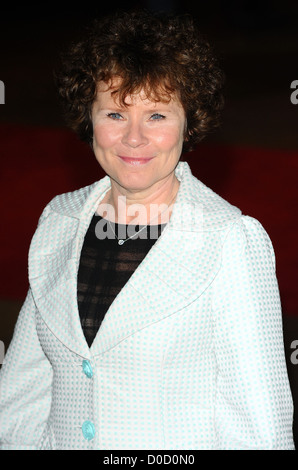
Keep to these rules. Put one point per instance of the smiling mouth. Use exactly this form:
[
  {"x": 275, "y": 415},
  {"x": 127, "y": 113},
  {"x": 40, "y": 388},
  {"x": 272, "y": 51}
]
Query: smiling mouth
[{"x": 135, "y": 161}]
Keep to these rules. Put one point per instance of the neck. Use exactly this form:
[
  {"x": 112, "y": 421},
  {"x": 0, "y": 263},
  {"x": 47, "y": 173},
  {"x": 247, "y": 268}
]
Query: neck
[{"x": 150, "y": 206}]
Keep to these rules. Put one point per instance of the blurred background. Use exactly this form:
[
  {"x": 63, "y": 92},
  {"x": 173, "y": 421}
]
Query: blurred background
[{"x": 252, "y": 161}]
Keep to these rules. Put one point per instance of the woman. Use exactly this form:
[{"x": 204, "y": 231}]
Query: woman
[{"x": 153, "y": 316}]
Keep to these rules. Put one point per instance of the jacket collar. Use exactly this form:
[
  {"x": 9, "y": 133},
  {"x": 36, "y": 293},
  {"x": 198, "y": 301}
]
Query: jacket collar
[
  {"x": 179, "y": 267},
  {"x": 192, "y": 194}
]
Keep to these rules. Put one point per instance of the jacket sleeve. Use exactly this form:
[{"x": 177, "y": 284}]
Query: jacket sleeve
[
  {"x": 254, "y": 407},
  {"x": 25, "y": 386}
]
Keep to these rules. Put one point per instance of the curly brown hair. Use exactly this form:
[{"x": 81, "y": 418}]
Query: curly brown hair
[{"x": 162, "y": 54}]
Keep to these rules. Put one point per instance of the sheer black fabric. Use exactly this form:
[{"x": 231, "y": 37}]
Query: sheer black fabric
[{"x": 105, "y": 267}]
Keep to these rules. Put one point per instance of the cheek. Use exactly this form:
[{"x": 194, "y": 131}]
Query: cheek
[
  {"x": 170, "y": 139},
  {"x": 104, "y": 137}
]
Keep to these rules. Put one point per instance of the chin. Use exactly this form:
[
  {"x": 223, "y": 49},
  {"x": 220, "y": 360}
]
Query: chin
[{"x": 135, "y": 181}]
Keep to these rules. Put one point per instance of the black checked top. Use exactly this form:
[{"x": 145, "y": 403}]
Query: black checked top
[{"x": 105, "y": 267}]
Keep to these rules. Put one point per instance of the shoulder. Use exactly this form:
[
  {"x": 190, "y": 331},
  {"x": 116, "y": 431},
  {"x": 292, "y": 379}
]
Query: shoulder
[
  {"x": 70, "y": 202},
  {"x": 220, "y": 214},
  {"x": 247, "y": 242},
  {"x": 247, "y": 230},
  {"x": 217, "y": 212},
  {"x": 240, "y": 234},
  {"x": 64, "y": 215},
  {"x": 73, "y": 203}
]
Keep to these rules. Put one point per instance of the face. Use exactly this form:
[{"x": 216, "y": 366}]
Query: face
[{"x": 138, "y": 146}]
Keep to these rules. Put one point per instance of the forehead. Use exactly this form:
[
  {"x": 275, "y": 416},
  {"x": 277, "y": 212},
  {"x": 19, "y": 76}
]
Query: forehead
[{"x": 110, "y": 92}]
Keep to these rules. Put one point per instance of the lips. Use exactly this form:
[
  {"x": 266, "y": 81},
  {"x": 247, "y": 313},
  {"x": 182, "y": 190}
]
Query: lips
[{"x": 135, "y": 161}]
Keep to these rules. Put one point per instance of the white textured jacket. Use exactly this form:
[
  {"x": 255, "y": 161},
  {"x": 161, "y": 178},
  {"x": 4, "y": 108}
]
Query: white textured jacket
[{"x": 189, "y": 356}]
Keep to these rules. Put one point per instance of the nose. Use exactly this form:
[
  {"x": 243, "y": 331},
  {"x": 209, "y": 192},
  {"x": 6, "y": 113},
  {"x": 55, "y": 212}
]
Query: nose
[{"x": 134, "y": 134}]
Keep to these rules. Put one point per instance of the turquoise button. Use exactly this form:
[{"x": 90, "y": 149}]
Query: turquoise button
[
  {"x": 87, "y": 368},
  {"x": 88, "y": 430}
]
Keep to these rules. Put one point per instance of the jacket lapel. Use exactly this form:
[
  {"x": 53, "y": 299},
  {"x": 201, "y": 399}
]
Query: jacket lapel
[
  {"x": 178, "y": 268},
  {"x": 54, "y": 257}
]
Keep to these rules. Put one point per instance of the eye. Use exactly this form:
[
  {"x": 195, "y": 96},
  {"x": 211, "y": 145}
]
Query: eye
[
  {"x": 157, "y": 117},
  {"x": 115, "y": 116}
]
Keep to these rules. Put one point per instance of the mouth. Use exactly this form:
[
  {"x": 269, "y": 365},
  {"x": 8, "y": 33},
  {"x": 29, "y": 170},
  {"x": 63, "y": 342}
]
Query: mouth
[{"x": 137, "y": 161}]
